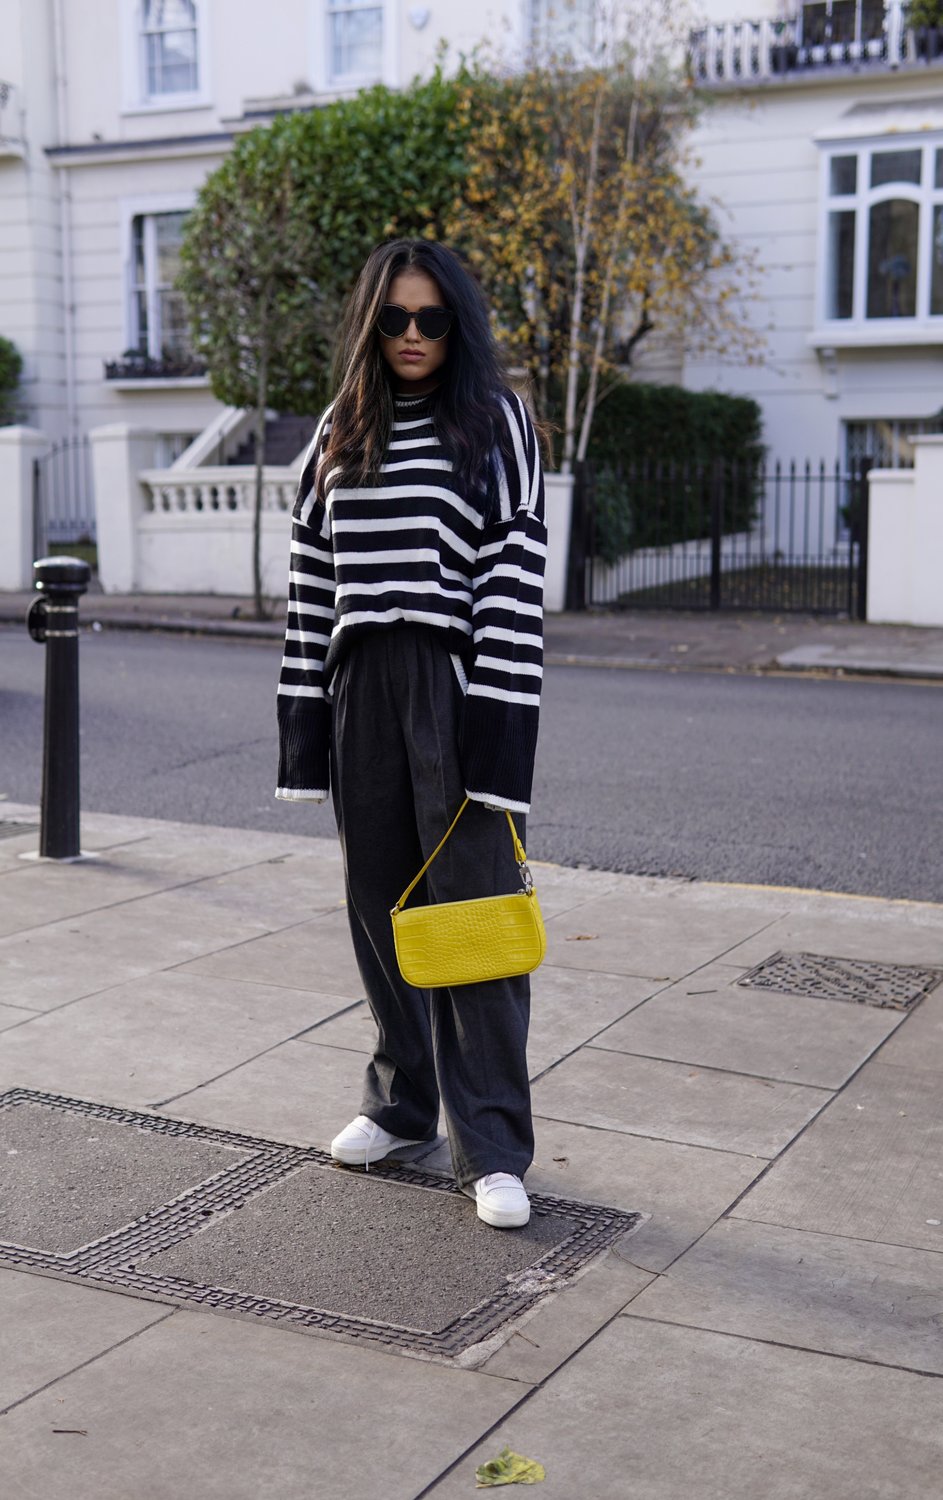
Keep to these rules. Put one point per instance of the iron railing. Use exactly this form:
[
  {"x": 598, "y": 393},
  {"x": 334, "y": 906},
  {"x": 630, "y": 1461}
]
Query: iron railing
[
  {"x": 63, "y": 497},
  {"x": 720, "y": 536}
]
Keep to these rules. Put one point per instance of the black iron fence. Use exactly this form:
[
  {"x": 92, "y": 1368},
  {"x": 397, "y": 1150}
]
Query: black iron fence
[
  {"x": 64, "y": 499},
  {"x": 664, "y": 535}
]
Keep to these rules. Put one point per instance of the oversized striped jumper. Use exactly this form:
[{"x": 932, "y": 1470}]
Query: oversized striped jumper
[{"x": 416, "y": 549}]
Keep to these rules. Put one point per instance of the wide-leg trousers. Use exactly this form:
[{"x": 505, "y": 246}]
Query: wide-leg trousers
[{"x": 397, "y": 784}]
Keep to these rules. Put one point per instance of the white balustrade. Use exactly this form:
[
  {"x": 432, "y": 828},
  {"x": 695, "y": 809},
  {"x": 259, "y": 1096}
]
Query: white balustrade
[
  {"x": 743, "y": 51},
  {"x": 226, "y": 491}
]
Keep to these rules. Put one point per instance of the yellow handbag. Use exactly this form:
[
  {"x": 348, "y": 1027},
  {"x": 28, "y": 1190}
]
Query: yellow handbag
[{"x": 465, "y": 942}]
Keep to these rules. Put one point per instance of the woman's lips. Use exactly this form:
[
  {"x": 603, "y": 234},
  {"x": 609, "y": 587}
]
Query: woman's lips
[{"x": 412, "y": 356}]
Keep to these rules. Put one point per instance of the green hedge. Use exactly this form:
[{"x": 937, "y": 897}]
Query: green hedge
[
  {"x": 655, "y": 452},
  {"x": 11, "y": 367}
]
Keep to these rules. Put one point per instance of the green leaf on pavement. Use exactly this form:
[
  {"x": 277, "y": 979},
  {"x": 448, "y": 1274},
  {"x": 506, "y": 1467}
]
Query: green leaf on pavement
[{"x": 508, "y": 1468}]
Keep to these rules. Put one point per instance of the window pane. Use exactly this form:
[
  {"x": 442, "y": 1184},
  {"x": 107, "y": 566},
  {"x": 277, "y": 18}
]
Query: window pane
[
  {"x": 936, "y": 262},
  {"x": 137, "y": 250},
  {"x": 843, "y": 177},
  {"x": 170, "y": 47},
  {"x": 895, "y": 166},
  {"x": 169, "y": 228},
  {"x": 938, "y": 174},
  {"x": 841, "y": 264},
  {"x": 173, "y": 323},
  {"x": 140, "y": 321},
  {"x": 563, "y": 26},
  {"x": 357, "y": 43},
  {"x": 892, "y": 259},
  {"x": 162, "y": 14}
]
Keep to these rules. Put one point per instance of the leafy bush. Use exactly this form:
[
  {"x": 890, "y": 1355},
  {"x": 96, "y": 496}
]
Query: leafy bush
[
  {"x": 11, "y": 367},
  {"x": 928, "y": 13},
  {"x": 656, "y": 454}
]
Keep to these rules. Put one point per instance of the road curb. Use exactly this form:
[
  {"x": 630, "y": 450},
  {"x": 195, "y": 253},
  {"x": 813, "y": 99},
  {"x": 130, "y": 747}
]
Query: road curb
[{"x": 273, "y": 630}]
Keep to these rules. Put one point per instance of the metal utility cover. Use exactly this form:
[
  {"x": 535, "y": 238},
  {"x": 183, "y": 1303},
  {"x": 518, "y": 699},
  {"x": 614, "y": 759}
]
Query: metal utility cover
[
  {"x": 858, "y": 980},
  {"x": 187, "y": 1213}
]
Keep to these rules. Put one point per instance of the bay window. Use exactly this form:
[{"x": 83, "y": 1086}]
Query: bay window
[{"x": 883, "y": 235}]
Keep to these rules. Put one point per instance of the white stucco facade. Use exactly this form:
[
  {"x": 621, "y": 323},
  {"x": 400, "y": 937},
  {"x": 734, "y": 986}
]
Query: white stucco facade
[
  {"x": 92, "y": 156},
  {"x": 88, "y": 154},
  {"x": 843, "y": 377}
]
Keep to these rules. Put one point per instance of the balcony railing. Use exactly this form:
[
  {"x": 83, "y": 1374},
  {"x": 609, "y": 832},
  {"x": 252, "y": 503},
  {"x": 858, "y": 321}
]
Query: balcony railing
[
  {"x": 11, "y": 129},
  {"x": 135, "y": 366},
  {"x": 743, "y": 51}
]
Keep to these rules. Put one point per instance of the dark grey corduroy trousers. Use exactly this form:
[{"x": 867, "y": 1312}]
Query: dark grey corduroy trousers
[{"x": 397, "y": 784}]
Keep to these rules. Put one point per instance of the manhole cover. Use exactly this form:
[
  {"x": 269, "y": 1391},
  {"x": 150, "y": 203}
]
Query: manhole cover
[
  {"x": 13, "y": 830},
  {"x": 858, "y": 980},
  {"x": 274, "y": 1231}
]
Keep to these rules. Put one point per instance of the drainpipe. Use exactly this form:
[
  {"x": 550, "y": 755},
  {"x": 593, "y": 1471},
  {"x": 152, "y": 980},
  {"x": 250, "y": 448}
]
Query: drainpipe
[{"x": 65, "y": 216}]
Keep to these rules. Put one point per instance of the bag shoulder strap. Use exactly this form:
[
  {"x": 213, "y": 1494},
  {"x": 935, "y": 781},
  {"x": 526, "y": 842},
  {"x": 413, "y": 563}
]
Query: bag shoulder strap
[{"x": 520, "y": 856}]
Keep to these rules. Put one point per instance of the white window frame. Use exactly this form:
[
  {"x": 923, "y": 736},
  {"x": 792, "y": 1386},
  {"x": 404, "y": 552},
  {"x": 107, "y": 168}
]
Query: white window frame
[
  {"x": 536, "y": 31},
  {"x": 132, "y": 208},
  {"x": 924, "y": 326},
  {"x": 134, "y": 66},
  {"x": 326, "y": 82}
]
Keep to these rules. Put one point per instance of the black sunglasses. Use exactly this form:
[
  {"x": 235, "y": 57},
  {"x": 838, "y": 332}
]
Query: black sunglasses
[{"x": 431, "y": 322}]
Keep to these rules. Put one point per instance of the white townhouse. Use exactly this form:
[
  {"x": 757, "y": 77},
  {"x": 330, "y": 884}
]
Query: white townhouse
[
  {"x": 112, "y": 112},
  {"x": 823, "y": 142}
]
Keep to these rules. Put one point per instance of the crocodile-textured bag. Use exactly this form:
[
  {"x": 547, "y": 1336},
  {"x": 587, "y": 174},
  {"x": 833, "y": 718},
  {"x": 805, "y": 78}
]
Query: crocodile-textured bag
[{"x": 465, "y": 942}]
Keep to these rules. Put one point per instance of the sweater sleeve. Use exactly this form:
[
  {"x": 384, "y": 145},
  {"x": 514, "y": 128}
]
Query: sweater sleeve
[
  {"x": 503, "y": 700},
  {"x": 304, "y": 713}
]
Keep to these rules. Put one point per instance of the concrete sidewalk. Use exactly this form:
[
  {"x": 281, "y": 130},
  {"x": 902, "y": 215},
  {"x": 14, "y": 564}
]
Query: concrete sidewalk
[
  {"x": 771, "y": 1329},
  {"x": 674, "y": 639}
]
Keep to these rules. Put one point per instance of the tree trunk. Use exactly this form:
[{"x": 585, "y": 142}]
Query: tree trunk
[
  {"x": 582, "y": 235},
  {"x": 261, "y": 397}
]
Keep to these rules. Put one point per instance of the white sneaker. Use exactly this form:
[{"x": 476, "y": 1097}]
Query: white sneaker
[
  {"x": 363, "y": 1141},
  {"x": 501, "y": 1200}
]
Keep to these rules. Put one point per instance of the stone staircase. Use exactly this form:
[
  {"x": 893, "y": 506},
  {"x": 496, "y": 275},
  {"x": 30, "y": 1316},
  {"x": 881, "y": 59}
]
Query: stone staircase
[{"x": 285, "y": 437}]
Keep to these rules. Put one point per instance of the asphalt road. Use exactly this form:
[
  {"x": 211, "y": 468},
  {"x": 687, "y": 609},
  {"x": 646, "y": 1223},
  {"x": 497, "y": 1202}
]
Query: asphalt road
[{"x": 792, "y": 781}]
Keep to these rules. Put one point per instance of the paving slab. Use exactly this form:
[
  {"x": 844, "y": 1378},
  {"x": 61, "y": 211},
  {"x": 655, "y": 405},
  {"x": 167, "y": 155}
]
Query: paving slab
[
  {"x": 543, "y": 1339},
  {"x": 563, "y": 888},
  {"x": 565, "y": 1012},
  {"x": 50, "y": 1328},
  {"x": 685, "y": 1189},
  {"x": 870, "y": 1167},
  {"x": 155, "y": 1037},
  {"x": 707, "y": 1019},
  {"x": 900, "y": 932},
  {"x": 676, "y": 1102},
  {"x": 36, "y": 894},
  {"x": 15, "y": 1015},
  {"x": 222, "y": 1409},
  {"x": 353, "y": 1029},
  {"x": 313, "y": 955},
  {"x": 919, "y": 1044},
  {"x": 882, "y": 1303},
  {"x": 668, "y": 1413},
  {"x": 70, "y": 1178},
  {"x": 298, "y": 1091},
  {"x": 52, "y": 965},
  {"x": 652, "y": 935}
]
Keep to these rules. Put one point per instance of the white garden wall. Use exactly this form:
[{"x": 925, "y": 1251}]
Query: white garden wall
[{"x": 905, "y": 543}]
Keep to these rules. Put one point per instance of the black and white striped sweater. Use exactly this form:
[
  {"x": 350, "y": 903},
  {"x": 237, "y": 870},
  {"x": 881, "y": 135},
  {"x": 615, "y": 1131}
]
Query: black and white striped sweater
[{"x": 415, "y": 549}]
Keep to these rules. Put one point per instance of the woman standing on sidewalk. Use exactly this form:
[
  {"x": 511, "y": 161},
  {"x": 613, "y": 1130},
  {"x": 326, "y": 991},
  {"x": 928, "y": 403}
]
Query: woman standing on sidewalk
[{"x": 411, "y": 679}]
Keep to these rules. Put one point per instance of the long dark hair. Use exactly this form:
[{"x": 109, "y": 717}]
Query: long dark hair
[{"x": 466, "y": 409}]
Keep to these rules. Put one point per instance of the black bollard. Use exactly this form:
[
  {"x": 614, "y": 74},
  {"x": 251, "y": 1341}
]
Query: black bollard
[{"x": 53, "y": 620}]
